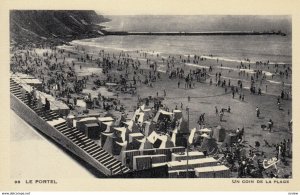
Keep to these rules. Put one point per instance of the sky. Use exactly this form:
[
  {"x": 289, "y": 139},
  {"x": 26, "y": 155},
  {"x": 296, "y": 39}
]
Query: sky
[{"x": 201, "y": 22}]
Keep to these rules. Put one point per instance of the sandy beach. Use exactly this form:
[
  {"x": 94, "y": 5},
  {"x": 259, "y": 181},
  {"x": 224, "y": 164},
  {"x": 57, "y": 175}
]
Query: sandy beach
[{"x": 88, "y": 63}]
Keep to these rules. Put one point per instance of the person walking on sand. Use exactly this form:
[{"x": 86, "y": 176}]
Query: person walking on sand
[
  {"x": 257, "y": 112},
  {"x": 270, "y": 125},
  {"x": 75, "y": 101},
  {"x": 217, "y": 111},
  {"x": 229, "y": 109},
  {"x": 47, "y": 104},
  {"x": 221, "y": 115},
  {"x": 29, "y": 97},
  {"x": 259, "y": 91},
  {"x": 279, "y": 105},
  {"x": 39, "y": 102},
  {"x": 23, "y": 91}
]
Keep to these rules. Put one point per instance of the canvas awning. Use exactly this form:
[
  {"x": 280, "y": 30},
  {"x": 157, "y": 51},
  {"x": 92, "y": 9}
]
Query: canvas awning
[
  {"x": 152, "y": 137},
  {"x": 205, "y": 130},
  {"x": 105, "y": 119}
]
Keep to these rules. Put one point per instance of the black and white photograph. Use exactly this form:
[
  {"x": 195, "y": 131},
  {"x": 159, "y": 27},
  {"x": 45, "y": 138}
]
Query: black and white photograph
[
  {"x": 151, "y": 96},
  {"x": 136, "y": 95}
]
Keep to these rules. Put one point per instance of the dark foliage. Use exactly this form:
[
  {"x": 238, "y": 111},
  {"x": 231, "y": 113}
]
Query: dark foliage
[{"x": 56, "y": 26}]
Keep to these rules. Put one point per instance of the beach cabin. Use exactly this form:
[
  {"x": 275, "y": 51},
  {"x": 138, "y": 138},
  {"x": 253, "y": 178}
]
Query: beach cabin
[
  {"x": 134, "y": 136},
  {"x": 219, "y": 134},
  {"x": 184, "y": 156},
  {"x": 145, "y": 161},
  {"x": 105, "y": 123},
  {"x": 162, "y": 115},
  {"x": 27, "y": 79},
  {"x": 80, "y": 124},
  {"x": 127, "y": 157},
  {"x": 219, "y": 171},
  {"x": 92, "y": 131},
  {"x": 208, "y": 145},
  {"x": 229, "y": 140},
  {"x": 191, "y": 164},
  {"x": 177, "y": 114},
  {"x": 70, "y": 119},
  {"x": 131, "y": 126},
  {"x": 181, "y": 173},
  {"x": 109, "y": 142},
  {"x": 119, "y": 147},
  {"x": 34, "y": 83},
  {"x": 206, "y": 131},
  {"x": 148, "y": 128}
]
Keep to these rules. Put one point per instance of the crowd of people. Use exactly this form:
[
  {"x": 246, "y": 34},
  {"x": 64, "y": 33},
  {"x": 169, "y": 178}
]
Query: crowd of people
[{"x": 59, "y": 68}]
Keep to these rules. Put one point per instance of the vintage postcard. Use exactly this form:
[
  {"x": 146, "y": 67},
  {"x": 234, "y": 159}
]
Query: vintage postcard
[{"x": 149, "y": 95}]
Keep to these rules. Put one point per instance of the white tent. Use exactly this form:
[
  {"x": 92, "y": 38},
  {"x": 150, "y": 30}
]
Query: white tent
[
  {"x": 80, "y": 123},
  {"x": 133, "y": 136},
  {"x": 140, "y": 143},
  {"x": 161, "y": 112},
  {"x": 141, "y": 114},
  {"x": 108, "y": 125},
  {"x": 122, "y": 132},
  {"x": 192, "y": 134},
  {"x": 205, "y": 135},
  {"x": 152, "y": 137},
  {"x": 173, "y": 138},
  {"x": 131, "y": 126},
  {"x": 105, "y": 119},
  {"x": 177, "y": 114},
  {"x": 70, "y": 116},
  {"x": 177, "y": 127},
  {"x": 107, "y": 141},
  {"x": 135, "y": 114},
  {"x": 148, "y": 128},
  {"x": 121, "y": 146},
  {"x": 141, "y": 117},
  {"x": 206, "y": 131},
  {"x": 164, "y": 139},
  {"x": 144, "y": 109},
  {"x": 166, "y": 113},
  {"x": 88, "y": 119},
  {"x": 145, "y": 144}
]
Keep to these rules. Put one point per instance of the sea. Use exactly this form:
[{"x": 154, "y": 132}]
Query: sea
[{"x": 274, "y": 48}]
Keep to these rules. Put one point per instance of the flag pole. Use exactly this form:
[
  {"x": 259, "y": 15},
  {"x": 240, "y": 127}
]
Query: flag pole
[{"x": 187, "y": 143}]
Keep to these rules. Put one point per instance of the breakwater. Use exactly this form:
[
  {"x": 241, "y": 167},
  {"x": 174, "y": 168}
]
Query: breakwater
[{"x": 125, "y": 33}]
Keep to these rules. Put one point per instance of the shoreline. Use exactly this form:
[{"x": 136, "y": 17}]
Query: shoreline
[
  {"x": 90, "y": 42},
  {"x": 213, "y": 58}
]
